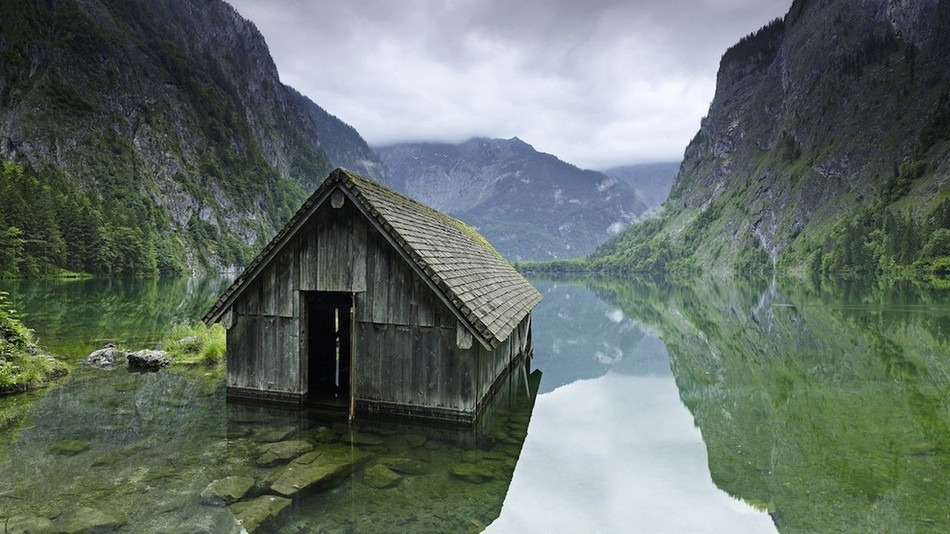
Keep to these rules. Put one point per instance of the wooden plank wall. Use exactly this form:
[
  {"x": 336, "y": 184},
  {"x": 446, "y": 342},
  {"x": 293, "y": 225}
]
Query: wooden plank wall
[
  {"x": 263, "y": 341},
  {"x": 406, "y": 345},
  {"x": 492, "y": 363},
  {"x": 332, "y": 248}
]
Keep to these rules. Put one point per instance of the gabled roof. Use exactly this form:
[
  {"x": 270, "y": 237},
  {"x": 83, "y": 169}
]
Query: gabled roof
[{"x": 466, "y": 272}]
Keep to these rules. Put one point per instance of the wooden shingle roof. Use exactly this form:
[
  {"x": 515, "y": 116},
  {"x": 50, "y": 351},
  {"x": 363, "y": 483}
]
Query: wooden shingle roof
[{"x": 458, "y": 263}]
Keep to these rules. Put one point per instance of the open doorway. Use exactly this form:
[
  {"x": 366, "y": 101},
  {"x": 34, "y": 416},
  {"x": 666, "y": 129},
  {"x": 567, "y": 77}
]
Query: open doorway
[{"x": 329, "y": 343}]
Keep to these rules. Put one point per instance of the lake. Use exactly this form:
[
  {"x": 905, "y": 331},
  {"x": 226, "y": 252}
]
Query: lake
[{"x": 743, "y": 406}]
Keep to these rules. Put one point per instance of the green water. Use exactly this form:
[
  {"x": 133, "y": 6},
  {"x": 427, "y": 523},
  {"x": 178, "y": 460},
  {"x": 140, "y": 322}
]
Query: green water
[{"x": 725, "y": 407}]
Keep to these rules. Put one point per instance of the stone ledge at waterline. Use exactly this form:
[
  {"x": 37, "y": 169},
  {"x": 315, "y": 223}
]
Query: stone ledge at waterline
[{"x": 143, "y": 360}]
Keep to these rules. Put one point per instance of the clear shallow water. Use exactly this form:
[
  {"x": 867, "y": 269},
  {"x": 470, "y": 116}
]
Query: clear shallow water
[{"x": 660, "y": 409}]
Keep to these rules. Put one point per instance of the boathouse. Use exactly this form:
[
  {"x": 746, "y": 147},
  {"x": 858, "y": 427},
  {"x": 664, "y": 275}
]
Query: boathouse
[{"x": 372, "y": 303}]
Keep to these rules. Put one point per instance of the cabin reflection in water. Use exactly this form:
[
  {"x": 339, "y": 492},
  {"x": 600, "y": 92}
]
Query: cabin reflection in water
[{"x": 316, "y": 472}]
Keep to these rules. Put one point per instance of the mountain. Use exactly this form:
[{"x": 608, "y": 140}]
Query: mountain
[
  {"x": 652, "y": 181},
  {"x": 528, "y": 204},
  {"x": 143, "y": 136},
  {"x": 824, "y": 407},
  {"x": 826, "y": 149},
  {"x": 343, "y": 145}
]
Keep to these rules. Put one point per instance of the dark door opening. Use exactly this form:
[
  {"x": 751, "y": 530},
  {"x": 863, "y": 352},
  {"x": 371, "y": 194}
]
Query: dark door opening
[{"x": 328, "y": 347}]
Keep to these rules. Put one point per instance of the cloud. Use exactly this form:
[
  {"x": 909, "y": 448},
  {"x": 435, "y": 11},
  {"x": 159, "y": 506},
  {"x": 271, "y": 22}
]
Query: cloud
[{"x": 597, "y": 83}]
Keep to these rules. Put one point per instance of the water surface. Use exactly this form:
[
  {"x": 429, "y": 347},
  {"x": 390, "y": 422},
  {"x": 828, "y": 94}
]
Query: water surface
[{"x": 726, "y": 407}]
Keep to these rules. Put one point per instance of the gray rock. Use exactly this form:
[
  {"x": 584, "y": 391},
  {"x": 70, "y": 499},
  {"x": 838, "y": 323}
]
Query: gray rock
[
  {"x": 282, "y": 452},
  {"x": 379, "y": 476},
  {"x": 70, "y": 446},
  {"x": 86, "y": 521},
  {"x": 276, "y": 434},
  {"x": 473, "y": 473},
  {"x": 22, "y": 524},
  {"x": 148, "y": 360},
  {"x": 104, "y": 358},
  {"x": 227, "y": 490},
  {"x": 257, "y": 512},
  {"x": 320, "y": 469},
  {"x": 404, "y": 466}
]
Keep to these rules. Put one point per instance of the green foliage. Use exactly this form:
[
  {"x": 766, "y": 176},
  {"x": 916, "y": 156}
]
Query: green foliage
[
  {"x": 197, "y": 343},
  {"x": 19, "y": 369},
  {"x": 49, "y": 225},
  {"x": 936, "y": 128},
  {"x": 756, "y": 49},
  {"x": 874, "y": 242},
  {"x": 787, "y": 149}
]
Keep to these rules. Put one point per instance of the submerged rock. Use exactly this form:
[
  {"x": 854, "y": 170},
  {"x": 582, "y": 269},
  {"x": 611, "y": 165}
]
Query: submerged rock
[
  {"x": 404, "y": 465},
  {"x": 87, "y": 521},
  {"x": 282, "y": 452},
  {"x": 104, "y": 358},
  {"x": 379, "y": 476},
  {"x": 70, "y": 446},
  {"x": 148, "y": 360},
  {"x": 361, "y": 438},
  {"x": 257, "y": 512},
  {"x": 473, "y": 473},
  {"x": 227, "y": 490},
  {"x": 28, "y": 525},
  {"x": 277, "y": 434},
  {"x": 320, "y": 469}
]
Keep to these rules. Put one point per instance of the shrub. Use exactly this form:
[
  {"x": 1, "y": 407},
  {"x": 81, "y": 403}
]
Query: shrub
[{"x": 196, "y": 343}]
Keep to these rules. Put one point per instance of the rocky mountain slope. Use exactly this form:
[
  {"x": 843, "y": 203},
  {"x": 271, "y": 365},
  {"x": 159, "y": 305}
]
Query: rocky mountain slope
[
  {"x": 826, "y": 149},
  {"x": 652, "y": 181},
  {"x": 528, "y": 204},
  {"x": 148, "y": 135}
]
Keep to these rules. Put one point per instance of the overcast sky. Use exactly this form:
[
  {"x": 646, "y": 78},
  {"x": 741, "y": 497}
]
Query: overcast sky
[{"x": 597, "y": 83}]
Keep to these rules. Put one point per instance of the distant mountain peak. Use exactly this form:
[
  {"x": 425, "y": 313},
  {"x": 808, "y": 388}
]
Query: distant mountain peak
[{"x": 529, "y": 204}]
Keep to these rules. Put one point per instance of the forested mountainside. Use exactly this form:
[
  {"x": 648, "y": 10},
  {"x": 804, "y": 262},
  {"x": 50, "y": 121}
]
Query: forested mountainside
[
  {"x": 825, "y": 149},
  {"x": 144, "y": 136},
  {"x": 652, "y": 181},
  {"x": 528, "y": 204}
]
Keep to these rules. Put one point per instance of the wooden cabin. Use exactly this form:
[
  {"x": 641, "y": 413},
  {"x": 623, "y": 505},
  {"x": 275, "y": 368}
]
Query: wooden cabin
[{"x": 373, "y": 303}]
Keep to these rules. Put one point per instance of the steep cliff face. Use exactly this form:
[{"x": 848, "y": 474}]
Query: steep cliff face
[
  {"x": 162, "y": 123},
  {"x": 530, "y": 205},
  {"x": 839, "y": 108},
  {"x": 344, "y": 145}
]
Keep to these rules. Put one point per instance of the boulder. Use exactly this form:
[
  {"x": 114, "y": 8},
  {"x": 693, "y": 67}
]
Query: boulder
[
  {"x": 86, "y": 521},
  {"x": 379, "y": 476},
  {"x": 257, "y": 512},
  {"x": 70, "y": 447},
  {"x": 148, "y": 360},
  {"x": 473, "y": 473},
  {"x": 281, "y": 452},
  {"x": 320, "y": 469},
  {"x": 404, "y": 466},
  {"x": 227, "y": 490},
  {"x": 22, "y": 524},
  {"x": 104, "y": 358}
]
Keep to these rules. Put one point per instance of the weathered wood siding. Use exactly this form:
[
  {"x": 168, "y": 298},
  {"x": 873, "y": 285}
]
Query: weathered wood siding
[
  {"x": 263, "y": 338},
  {"x": 267, "y": 336},
  {"x": 406, "y": 351},
  {"x": 493, "y": 364}
]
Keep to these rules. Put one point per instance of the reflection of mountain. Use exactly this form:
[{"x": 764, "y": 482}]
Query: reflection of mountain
[
  {"x": 830, "y": 410},
  {"x": 578, "y": 336},
  {"x": 73, "y": 317}
]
